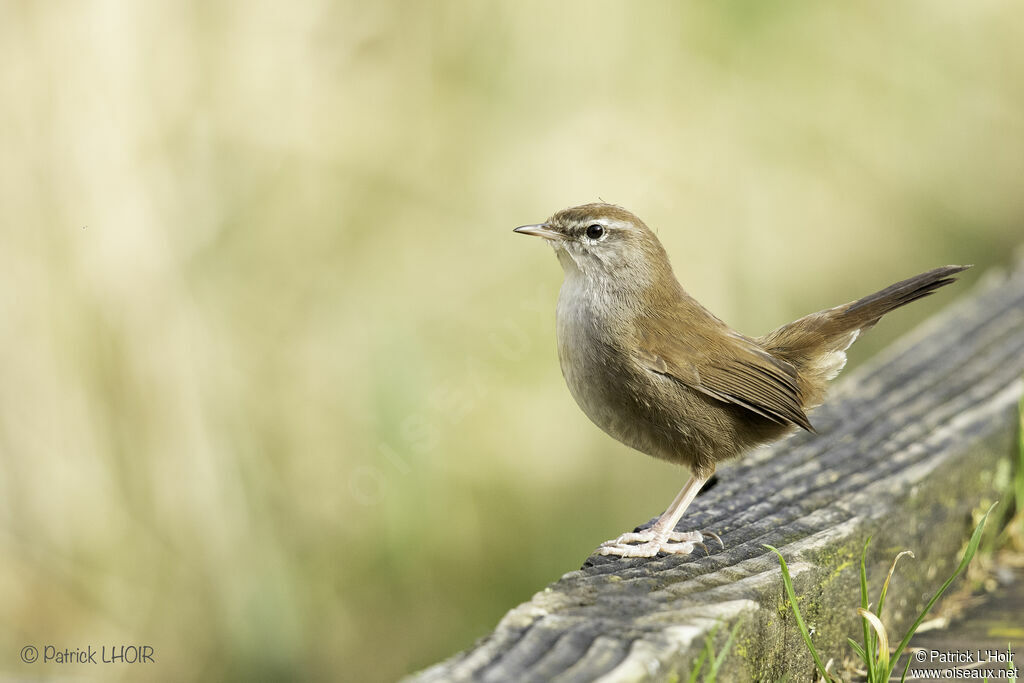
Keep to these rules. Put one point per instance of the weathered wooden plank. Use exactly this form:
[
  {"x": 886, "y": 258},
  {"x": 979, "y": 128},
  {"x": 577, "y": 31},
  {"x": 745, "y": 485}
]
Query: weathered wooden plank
[{"x": 906, "y": 449}]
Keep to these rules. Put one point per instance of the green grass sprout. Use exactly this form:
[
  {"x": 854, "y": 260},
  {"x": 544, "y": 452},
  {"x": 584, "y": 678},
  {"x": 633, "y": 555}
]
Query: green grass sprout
[
  {"x": 708, "y": 655},
  {"x": 878, "y": 661},
  {"x": 788, "y": 582}
]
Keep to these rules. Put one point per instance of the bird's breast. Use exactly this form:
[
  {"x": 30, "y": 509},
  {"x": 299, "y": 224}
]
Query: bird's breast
[{"x": 601, "y": 376}]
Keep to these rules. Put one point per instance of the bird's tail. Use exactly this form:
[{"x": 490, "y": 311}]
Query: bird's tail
[{"x": 816, "y": 344}]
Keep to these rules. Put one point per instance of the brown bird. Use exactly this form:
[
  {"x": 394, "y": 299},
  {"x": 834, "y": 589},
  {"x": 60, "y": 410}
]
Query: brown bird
[{"x": 659, "y": 372}]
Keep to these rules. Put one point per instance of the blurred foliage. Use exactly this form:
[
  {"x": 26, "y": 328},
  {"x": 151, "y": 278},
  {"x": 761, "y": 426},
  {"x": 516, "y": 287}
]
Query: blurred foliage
[{"x": 280, "y": 393}]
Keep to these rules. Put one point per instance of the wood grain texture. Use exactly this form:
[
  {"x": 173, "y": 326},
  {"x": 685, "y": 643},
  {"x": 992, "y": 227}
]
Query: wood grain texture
[{"x": 907, "y": 448}]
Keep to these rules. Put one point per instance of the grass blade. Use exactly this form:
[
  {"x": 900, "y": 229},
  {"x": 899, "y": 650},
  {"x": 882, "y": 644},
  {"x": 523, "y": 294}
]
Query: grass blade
[
  {"x": 903, "y": 678},
  {"x": 869, "y": 639},
  {"x": 885, "y": 586},
  {"x": 972, "y": 547},
  {"x": 698, "y": 665},
  {"x": 717, "y": 664},
  {"x": 880, "y": 669},
  {"x": 858, "y": 649},
  {"x": 788, "y": 583}
]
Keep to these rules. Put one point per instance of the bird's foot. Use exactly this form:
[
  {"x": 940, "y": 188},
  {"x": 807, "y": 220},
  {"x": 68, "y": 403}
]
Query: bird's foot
[{"x": 652, "y": 541}]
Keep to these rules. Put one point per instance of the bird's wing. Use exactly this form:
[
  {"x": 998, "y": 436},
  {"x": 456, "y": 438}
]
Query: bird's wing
[{"x": 730, "y": 368}]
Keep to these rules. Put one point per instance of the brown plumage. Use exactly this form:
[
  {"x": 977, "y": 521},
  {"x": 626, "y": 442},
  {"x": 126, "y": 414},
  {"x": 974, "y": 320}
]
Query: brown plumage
[
  {"x": 775, "y": 379},
  {"x": 656, "y": 370}
]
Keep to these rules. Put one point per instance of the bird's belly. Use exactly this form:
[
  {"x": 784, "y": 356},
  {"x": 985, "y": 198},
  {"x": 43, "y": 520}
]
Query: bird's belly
[
  {"x": 645, "y": 410},
  {"x": 613, "y": 392}
]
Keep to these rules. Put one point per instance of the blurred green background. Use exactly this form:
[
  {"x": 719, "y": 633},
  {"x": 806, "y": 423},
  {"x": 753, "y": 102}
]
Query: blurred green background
[{"x": 280, "y": 394}]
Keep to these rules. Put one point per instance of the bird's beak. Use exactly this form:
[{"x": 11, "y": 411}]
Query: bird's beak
[{"x": 541, "y": 230}]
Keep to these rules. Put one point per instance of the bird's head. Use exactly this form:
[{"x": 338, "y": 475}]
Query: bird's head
[{"x": 606, "y": 244}]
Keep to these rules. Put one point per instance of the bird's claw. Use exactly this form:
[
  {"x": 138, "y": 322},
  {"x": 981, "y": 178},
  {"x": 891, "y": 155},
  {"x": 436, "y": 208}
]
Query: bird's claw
[
  {"x": 650, "y": 542},
  {"x": 715, "y": 536}
]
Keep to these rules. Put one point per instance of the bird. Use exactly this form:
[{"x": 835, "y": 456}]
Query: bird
[{"x": 656, "y": 370}]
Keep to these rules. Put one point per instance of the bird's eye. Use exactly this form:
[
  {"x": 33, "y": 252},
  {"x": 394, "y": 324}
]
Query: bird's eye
[{"x": 595, "y": 231}]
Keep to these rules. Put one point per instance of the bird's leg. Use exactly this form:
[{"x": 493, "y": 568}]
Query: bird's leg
[{"x": 662, "y": 536}]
